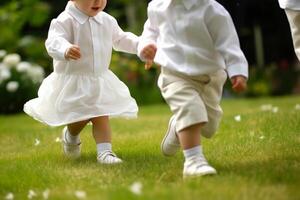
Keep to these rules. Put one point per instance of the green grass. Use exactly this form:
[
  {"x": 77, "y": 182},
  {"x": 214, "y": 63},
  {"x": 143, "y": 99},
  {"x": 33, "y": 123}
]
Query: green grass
[{"x": 257, "y": 158}]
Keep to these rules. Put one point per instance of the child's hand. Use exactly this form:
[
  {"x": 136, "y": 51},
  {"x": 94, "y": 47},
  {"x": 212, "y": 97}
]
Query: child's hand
[
  {"x": 239, "y": 83},
  {"x": 148, "y": 53},
  {"x": 73, "y": 53}
]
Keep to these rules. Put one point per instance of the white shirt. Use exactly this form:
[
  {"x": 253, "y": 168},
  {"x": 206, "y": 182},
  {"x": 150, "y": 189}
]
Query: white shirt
[
  {"x": 96, "y": 36},
  {"x": 193, "y": 37},
  {"x": 290, "y": 4}
]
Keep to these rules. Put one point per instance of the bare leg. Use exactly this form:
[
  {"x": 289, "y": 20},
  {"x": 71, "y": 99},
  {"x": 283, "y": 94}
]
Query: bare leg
[
  {"x": 75, "y": 128},
  {"x": 101, "y": 129},
  {"x": 102, "y": 136},
  {"x": 190, "y": 136}
]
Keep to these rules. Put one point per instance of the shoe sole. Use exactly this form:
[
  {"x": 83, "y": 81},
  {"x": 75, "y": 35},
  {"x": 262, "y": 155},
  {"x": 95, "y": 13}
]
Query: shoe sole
[
  {"x": 212, "y": 173},
  {"x": 164, "y": 139}
]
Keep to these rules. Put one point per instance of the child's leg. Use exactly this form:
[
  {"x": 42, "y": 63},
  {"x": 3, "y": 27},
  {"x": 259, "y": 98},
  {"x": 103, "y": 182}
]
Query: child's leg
[
  {"x": 71, "y": 140},
  {"x": 190, "y": 136},
  {"x": 101, "y": 129},
  {"x": 74, "y": 130},
  {"x": 102, "y": 136},
  {"x": 195, "y": 163}
]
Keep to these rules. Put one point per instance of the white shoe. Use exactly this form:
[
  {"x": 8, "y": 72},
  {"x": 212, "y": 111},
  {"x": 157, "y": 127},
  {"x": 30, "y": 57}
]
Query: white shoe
[
  {"x": 170, "y": 144},
  {"x": 197, "y": 166},
  {"x": 108, "y": 157},
  {"x": 71, "y": 150}
]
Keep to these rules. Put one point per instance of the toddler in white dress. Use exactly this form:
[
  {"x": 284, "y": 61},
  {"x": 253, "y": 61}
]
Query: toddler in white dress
[{"x": 82, "y": 89}]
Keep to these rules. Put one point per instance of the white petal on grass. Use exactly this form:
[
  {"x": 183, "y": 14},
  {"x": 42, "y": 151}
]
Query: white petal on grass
[
  {"x": 31, "y": 194},
  {"x": 238, "y": 118},
  {"x": 297, "y": 107},
  {"x": 266, "y": 107},
  {"x": 12, "y": 86},
  {"x": 262, "y": 137},
  {"x": 46, "y": 193},
  {"x": 136, "y": 188},
  {"x": 37, "y": 142},
  {"x": 58, "y": 139},
  {"x": 275, "y": 109},
  {"x": 80, "y": 194},
  {"x": 9, "y": 196}
]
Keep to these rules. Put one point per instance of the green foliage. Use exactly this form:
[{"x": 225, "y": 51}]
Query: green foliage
[
  {"x": 20, "y": 20},
  {"x": 142, "y": 83},
  {"x": 19, "y": 82}
]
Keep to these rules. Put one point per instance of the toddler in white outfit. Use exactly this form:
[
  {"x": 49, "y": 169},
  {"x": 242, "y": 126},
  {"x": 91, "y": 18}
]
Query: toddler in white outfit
[
  {"x": 82, "y": 89},
  {"x": 292, "y": 10},
  {"x": 195, "y": 43}
]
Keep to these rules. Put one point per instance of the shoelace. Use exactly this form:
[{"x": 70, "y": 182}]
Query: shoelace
[
  {"x": 108, "y": 156},
  {"x": 198, "y": 161}
]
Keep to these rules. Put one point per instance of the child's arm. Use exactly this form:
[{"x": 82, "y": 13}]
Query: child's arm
[
  {"x": 124, "y": 41},
  {"x": 225, "y": 38},
  {"x": 147, "y": 45},
  {"x": 239, "y": 83},
  {"x": 73, "y": 53},
  {"x": 57, "y": 42}
]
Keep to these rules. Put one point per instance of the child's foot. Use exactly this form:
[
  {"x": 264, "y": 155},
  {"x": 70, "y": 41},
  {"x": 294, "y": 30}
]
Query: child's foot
[
  {"x": 108, "y": 157},
  {"x": 70, "y": 149},
  {"x": 170, "y": 144},
  {"x": 197, "y": 166}
]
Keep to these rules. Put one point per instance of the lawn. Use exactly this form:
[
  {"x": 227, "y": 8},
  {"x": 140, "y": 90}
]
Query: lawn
[{"x": 256, "y": 153}]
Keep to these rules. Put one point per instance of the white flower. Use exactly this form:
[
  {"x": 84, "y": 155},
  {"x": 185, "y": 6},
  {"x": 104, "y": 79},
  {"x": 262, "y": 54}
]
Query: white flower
[
  {"x": 136, "y": 188},
  {"x": 297, "y": 107},
  {"x": 46, "y": 194},
  {"x": 12, "y": 86},
  {"x": 37, "y": 142},
  {"x": 31, "y": 194},
  {"x": 12, "y": 59},
  {"x": 2, "y": 53},
  {"x": 36, "y": 73},
  {"x": 9, "y": 196},
  {"x": 80, "y": 194},
  {"x": 23, "y": 66},
  {"x": 238, "y": 118},
  {"x": 4, "y": 74}
]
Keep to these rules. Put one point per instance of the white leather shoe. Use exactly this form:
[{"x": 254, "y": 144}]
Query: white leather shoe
[
  {"x": 170, "y": 144},
  {"x": 197, "y": 166},
  {"x": 108, "y": 157},
  {"x": 71, "y": 150}
]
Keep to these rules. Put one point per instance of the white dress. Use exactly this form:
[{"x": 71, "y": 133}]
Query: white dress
[{"x": 85, "y": 88}]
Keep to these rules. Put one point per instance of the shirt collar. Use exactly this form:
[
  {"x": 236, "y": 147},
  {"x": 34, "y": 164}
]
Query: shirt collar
[
  {"x": 80, "y": 16},
  {"x": 188, "y": 4}
]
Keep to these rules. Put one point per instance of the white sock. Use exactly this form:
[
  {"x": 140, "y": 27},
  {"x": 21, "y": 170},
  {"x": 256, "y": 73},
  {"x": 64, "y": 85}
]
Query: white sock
[
  {"x": 72, "y": 139},
  {"x": 193, "y": 152},
  {"x": 101, "y": 147}
]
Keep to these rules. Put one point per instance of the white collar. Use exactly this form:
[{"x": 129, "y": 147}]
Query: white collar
[
  {"x": 188, "y": 4},
  {"x": 79, "y": 15}
]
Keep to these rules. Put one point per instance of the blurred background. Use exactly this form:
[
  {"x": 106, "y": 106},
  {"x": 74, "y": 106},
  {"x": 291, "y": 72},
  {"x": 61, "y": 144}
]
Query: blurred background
[{"x": 261, "y": 25}]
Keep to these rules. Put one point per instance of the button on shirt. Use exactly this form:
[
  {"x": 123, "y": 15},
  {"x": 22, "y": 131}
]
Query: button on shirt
[
  {"x": 96, "y": 36},
  {"x": 193, "y": 37},
  {"x": 290, "y": 4}
]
